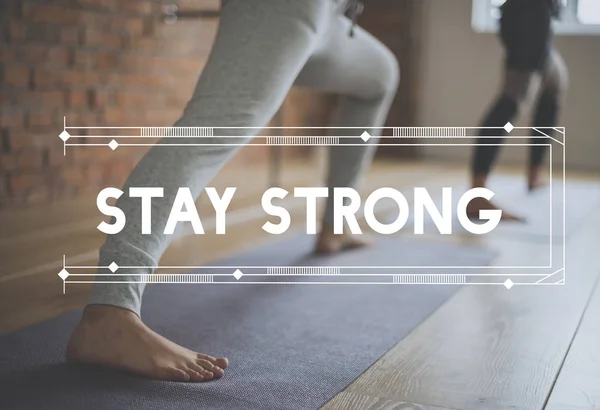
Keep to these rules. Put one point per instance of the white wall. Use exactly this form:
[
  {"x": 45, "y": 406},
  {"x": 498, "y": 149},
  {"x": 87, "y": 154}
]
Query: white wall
[{"x": 460, "y": 75}]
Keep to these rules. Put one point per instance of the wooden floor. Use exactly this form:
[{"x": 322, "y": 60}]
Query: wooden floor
[{"x": 532, "y": 347}]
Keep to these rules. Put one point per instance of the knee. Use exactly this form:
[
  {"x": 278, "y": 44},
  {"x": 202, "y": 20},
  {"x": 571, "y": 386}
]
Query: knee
[
  {"x": 388, "y": 79},
  {"x": 518, "y": 94},
  {"x": 556, "y": 82},
  {"x": 557, "y": 89}
]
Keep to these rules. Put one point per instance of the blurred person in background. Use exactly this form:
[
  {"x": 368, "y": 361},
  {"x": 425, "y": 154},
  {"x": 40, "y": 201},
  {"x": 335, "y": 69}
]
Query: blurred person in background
[{"x": 532, "y": 63}]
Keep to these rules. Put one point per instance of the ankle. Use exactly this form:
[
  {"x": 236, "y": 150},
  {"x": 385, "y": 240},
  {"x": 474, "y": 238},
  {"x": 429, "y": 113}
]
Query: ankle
[
  {"x": 327, "y": 229},
  {"x": 479, "y": 181},
  {"x": 534, "y": 171}
]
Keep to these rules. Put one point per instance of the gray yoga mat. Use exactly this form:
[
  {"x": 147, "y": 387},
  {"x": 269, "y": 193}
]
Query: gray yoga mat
[{"x": 290, "y": 346}]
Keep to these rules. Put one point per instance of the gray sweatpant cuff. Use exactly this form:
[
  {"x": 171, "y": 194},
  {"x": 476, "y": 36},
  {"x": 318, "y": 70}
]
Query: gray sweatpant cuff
[{"x": 128, "y": 294}]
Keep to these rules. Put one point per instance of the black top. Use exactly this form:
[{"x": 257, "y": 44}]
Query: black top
[
  {"x": 554, "y": 6},
  {"x": 526, "y": 32}
]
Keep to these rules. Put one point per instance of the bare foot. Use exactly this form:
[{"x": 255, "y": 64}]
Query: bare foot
[
  {"x": 117, "y": 338},
  {"x": 535, "y": 180},
  {"x": 329, "y": 243},
  {"x": 480, "y": 204}
]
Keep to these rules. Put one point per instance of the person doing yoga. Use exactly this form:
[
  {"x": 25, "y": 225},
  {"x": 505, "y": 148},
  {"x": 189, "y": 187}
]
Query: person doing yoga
[
  {"x": 531, "y": 61},
  {"x": 261, "y": 49}
]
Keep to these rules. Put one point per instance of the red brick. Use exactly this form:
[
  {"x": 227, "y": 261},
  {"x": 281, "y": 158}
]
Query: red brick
[
  {"x": 70, "y": 36},
  {"x": 42, "y": 120},
  {"x": 31, "y": 31},
  {"x": 95, "y": 174},
  {"x": 84, "y": 157},
  {"x": 11, "y": 119},
  {"x": 16, "y": 75},
  {"x": 21, "y": 183},
  {"x": 6, "y": 98},
  {"x": 131, "y": 62},
  {"x": 78, "y": 99},
  {"x": 7, "y": 53},
  {"x": 98, "y": 98},
  {"x": 98, "y": 37},
  {"x": 8, "y": 163},
  {"x": 21, "y": 139},
  {"x": 134, "y": 25},
  {"x": 136, "y": 117},
  {"x": 104, "y": 5},
  {"x": 115, "y": 116},
  {"x": 5, "y": 197},
  {"x": 85, "y": 119},
  {"x": 57, "y": 159},
  {"x": 42, "y": 54},
  {"x": 133, "y": 99},
  {"x": 145, "y": 80},
  {"x": 50, "y": 13},
  {"x": 44, "y": 76},
  {"x": 53, "y": 98},
  {"x": 57, "y": 56},
  {"x": 97, "y": 60},
  {"x": 32, "y": 53},
  {"x": 74, "y": 175},
  {"x": 16, "y": 31},
  {"x": 38, "y": 194},
  {"x": 186, "y": 66},
  {"x": 136, "y": 7},
  {"x": 5, "y": 145},
  {"x": 30, "y": 160}
]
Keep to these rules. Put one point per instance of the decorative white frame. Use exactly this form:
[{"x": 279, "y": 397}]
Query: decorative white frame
[{"x": 501, "y": 275}]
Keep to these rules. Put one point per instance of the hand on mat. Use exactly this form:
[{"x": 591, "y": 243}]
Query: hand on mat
[
  {"x": 114, "y": 337},
  {"x": 480, "y": 204},
  {"x": 330, "y": 243}
]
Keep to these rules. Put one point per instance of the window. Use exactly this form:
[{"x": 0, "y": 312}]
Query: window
[
  {"x": 580, "y": 17},
  {"x": 588, "y": 11}
]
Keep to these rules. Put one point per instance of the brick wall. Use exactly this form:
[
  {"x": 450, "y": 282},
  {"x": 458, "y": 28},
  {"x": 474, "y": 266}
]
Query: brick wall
[{"x": 99, "y": 63}]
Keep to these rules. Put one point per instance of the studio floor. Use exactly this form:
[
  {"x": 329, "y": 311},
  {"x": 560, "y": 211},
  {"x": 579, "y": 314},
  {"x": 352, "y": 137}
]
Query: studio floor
[{"x": 530, "y": 347}]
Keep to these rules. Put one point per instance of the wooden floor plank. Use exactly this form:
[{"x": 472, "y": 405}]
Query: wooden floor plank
[
  {"x": 488, "y": 347},
  {"x": 352, "y": 401},
  {"x": 578, "y": 384}
]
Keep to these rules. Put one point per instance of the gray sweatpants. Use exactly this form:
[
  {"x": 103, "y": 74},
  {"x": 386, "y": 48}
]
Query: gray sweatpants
[{"x": 262, "y": 48}]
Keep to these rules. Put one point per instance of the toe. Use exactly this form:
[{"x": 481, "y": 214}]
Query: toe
[
  {"x": 194, "y": 375},
  {"x": 216, "y": 370},
  {"x": 173, "y": 374},
  {"x": 207, "y": 374},
  {"x": 206, "y": 357},
  {"x": 222, "y": 362}
]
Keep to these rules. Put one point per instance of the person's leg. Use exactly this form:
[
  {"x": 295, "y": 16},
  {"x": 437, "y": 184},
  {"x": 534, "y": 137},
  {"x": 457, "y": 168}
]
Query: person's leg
[
  {"x": 259, "y": 50},
  {"x": 516, "y": 87},
  {"x": 365, "y": 76},
  {"x": 525, "y": 34},
  {"x": 555, "y": 80}
]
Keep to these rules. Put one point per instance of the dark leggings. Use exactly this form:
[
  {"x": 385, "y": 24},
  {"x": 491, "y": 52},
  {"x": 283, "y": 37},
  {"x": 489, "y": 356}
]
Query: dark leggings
[
  {"x": 518, "y": 84},
  {"x": 526, "y": 34}
]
